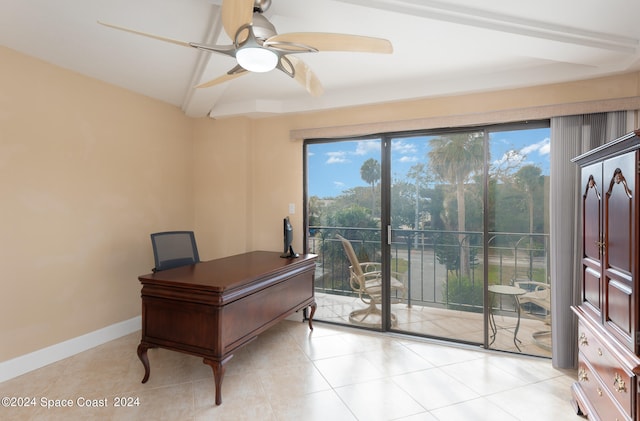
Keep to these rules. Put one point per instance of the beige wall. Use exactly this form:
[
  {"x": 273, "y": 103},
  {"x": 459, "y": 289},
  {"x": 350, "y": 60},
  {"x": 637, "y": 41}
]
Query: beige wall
[
  {"x": 222, "y": 189},
  {"x": 247, "y": 174},
  {"x": 88, "y": 170}
]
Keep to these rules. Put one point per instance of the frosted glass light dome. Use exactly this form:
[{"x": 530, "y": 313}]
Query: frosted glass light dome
[{"x": 257, "y": 59}]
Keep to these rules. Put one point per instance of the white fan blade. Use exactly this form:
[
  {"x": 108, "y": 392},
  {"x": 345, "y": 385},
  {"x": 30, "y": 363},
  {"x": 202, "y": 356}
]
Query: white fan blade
[
  {"x": 305, "y": 76},
  {"x": 236, "y": 13},
  {"x": 221, "y": 79},
  {"x": 323, "y": 41},
  {"x": 144, "y": 34}
]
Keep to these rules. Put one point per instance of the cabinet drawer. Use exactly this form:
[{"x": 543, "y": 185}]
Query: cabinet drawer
[
  {"x": 598, "y": 395},
  {"x": 617, "y": 380}
]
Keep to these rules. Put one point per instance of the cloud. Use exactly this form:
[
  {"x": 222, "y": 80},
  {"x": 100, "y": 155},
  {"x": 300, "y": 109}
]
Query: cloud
[
  {"x": 338, "y": 157},
  {"x": 512, "y": 157},
  {"x": 367, "y": 146},
  {"x": 408, "y": 159},
  {"x": 516, "y": 158},
  {"x": 543, "y": 147},
  {"x": 402, "y": 147},
  {"x": 363, "y": 147}
]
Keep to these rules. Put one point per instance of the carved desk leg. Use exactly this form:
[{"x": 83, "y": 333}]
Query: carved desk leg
[
  {"x": 313, "y": 311},
  {"x": 218, "y": 374},
  {"x": 142, "y": 354}
]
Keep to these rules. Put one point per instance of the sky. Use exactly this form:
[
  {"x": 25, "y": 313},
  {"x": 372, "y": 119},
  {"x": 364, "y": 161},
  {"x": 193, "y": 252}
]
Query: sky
[{"x": 335, "y": 167}]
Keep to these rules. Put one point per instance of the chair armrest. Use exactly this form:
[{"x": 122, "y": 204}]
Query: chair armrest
[
  {"x": 369, "y": 272},
  {"x": 370, "y": 267}
]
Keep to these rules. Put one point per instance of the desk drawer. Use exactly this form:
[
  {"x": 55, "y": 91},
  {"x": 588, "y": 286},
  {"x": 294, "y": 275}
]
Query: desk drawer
[
  {"x": 617, "y": 380},
  {"x": 598, "y": 394}
]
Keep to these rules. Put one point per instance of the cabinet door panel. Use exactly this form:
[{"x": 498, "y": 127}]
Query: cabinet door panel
[
  {"x": 618, "y": 262},
  {"x": 619, "y": 307},
  {"x": 591, "y": 206},
  {"x": 592, "y": 288},
  {"x": 618, "y": 210}
]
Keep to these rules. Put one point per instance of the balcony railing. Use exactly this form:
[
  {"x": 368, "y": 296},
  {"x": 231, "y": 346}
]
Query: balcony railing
[{"x": 429, "y": 262}]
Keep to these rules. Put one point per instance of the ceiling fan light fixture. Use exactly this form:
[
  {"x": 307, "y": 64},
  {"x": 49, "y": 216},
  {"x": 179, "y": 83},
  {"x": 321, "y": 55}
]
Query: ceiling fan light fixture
[{"x": 257, "y": 59}]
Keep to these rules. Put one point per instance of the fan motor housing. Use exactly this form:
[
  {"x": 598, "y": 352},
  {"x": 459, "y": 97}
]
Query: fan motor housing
[
  {"x": 262, "y": 28},
  {"x": 261, "y": 5}
]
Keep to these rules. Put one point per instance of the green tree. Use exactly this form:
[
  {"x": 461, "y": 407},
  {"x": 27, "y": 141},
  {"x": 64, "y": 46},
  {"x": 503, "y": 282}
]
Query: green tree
[
  {"x": 421, "y": 178},
  {"x": 353, "y": 222},
  {"x": 316, "y": 212},
  {"x": 355, "y": 196},
  {"x": 529, "y": 179},
  {"x": 403, "y": 197},
  {"x": 453, "y": 159},
  {"x": 370, "y": 173}
]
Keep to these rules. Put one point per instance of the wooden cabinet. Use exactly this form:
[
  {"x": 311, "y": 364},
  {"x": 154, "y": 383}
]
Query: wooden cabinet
[{"x": 608, "y": 313}]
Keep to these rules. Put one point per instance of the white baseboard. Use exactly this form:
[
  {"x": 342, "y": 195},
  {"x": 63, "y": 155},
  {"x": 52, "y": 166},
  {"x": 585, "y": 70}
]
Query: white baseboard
[{"x": 37, "y": 359}]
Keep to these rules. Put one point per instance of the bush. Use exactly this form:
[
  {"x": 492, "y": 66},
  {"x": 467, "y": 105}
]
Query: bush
[{"x": 462, "y": 294}]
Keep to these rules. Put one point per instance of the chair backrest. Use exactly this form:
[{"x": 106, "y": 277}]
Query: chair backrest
[
  {"x": 351, "y": 254},
  {"x": 172, "y": 249},
  {"x": 537, "y": 293}
]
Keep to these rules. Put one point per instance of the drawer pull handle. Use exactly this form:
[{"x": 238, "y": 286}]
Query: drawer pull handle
[
  {"x": 600, "y": 352},
  {"x": 599, "y": 392},
  {"x": 582, "y": 375},
  {"x": 582, "y": 340},
  {"x": 619, "y": 384}
]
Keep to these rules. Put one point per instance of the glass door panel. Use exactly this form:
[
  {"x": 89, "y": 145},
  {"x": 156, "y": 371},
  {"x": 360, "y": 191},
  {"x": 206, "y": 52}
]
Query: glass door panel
[
  {"x": 518, "y": 241},
  {"x": 343, "y": 200},
  {"x": 437, "y": 234}
]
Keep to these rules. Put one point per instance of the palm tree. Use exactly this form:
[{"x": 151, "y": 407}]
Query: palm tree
[
  {"x": 418, "y": 174},
  {"x": 421, "y": 177},
  {"x": 529, "y": 179},
  {"x": 453, "y": 159},
  {"x": 370, "y": 173}
]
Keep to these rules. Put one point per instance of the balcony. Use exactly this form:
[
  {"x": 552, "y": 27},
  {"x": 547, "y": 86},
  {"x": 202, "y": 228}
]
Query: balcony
[{"x": 439, "y": 301}]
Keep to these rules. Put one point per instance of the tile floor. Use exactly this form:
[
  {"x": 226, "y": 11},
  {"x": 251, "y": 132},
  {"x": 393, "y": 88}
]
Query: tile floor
[{"x": 289, "y": 373}]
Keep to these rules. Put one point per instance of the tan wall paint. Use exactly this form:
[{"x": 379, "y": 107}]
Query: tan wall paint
[
  {"x": 277, "y": 181},
  {"x": 247, "y": 173},
  {"x": 222, "y": 188},
  {"x": 87, "y": 171}
]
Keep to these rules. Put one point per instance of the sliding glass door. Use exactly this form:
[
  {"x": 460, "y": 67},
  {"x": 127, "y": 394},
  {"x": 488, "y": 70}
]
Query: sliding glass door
[{"x": 453, "y": 228}]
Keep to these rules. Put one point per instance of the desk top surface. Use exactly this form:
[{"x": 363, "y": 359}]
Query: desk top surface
[{"x": 228, "y": 273}]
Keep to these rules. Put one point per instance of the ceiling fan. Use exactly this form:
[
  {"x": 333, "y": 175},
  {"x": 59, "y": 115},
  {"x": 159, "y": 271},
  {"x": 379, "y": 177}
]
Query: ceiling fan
[{"x": 257, "y": 47}]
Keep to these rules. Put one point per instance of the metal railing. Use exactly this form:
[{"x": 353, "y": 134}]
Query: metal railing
[{"x": 429, "y": 262}]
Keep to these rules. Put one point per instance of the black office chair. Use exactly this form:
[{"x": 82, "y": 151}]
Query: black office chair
[{"x": 172, "y": 249}]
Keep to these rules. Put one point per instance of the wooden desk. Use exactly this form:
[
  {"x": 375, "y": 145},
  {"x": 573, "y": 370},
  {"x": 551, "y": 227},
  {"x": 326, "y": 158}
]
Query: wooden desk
[{"x": 213, "y": 308}]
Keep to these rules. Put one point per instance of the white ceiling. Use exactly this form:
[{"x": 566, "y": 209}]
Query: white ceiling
[{"x": 440, "y": 48}]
